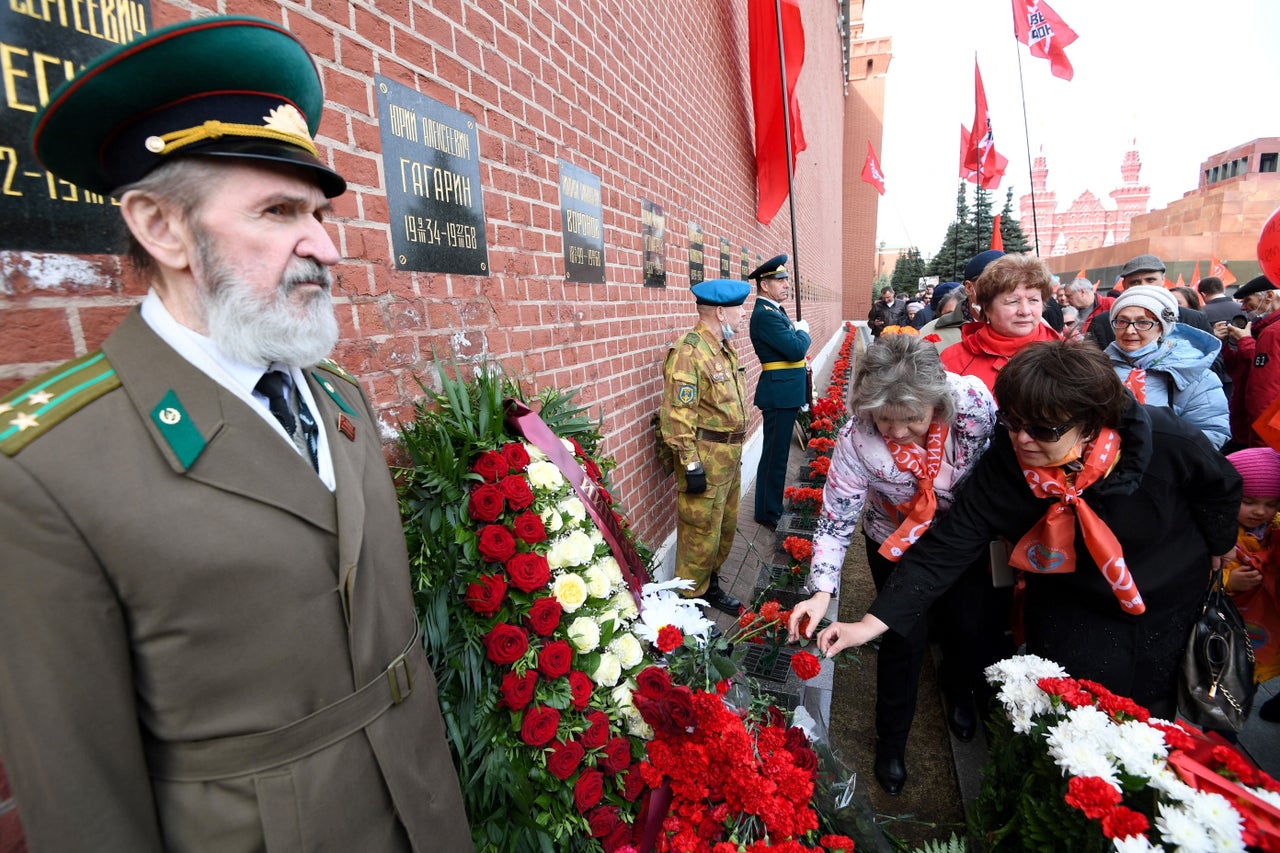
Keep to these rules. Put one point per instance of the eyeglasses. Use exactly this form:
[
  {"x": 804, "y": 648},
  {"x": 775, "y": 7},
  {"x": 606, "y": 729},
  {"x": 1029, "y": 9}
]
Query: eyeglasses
[
  {"x": 1120, "y": 324},
  {"x": 1037, "y": 432}
]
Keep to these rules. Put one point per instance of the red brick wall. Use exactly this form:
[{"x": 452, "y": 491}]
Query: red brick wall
[{"x": 654, "y": 99}]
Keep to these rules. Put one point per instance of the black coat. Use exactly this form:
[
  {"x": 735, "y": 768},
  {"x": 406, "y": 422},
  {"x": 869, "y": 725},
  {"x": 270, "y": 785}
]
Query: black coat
[{"x": 1171, "y": 501}]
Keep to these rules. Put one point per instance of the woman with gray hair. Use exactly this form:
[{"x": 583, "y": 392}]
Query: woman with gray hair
[{"x": 915, "y": 433}]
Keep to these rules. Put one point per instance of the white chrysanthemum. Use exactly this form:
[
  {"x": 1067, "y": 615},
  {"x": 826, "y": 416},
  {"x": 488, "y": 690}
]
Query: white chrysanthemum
[
  {"x": 608, "y": 671},
  {"x": 661, "y": 605},
  {"x": 570, "y": 590},
  {"x": 573, "y": 508},
  {"x": 611, "y": 569},
  {"x": 1023, "y": 701},
  {"x": 1179, "y": 830},
  {"x": 1079, "y": 758},
  {"x": 1170, "y": 784},
  {"x": 1218, "y": 818},
  {"x": 551, "y": 520},
  {"x": 628, "y": 649},
  {"x": 1023, "y": 668},
  {"x": 584, "y": 633},
  {"x": 597, "y": 581},
  {"x": 625, "y": 603},
  {"x": 1134, "y": 844},
  {"x": 1271, "y": 797},
  {"x": 1137, "y": 747},
  {"x": 544, "y": 476}
]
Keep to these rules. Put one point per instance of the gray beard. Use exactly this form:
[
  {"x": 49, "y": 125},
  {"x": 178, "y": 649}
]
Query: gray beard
[{"x": 256, "y": 329}]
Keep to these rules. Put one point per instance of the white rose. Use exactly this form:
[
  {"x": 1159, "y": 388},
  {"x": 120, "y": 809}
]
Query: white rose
[
  {"x": 573, "y": 508},
  {"x": 584, "y": 633},
  {"x": 625, "y": 603},
  {"x": 535, "y": 455},
  {"x": 623, "y": 695},
  {"x": 611, "y": 569},
  {"x": 597, "y": 538},
  {"x": 628, "y": 650},
  {"x": 551, "y": 519},
  {"x": 597, "y": 582},
  {"x": 544, "y": 476},
  {"x": 637, "y": 727},
  {"x": 568, "y": 445},
  {"x": 570, "y": 591},
  {"x": 579, "y": 548},
  {"x": 559, "y": 555},
  {"x": 610, "y": 615},
  {"x": 609, "y": 670}
]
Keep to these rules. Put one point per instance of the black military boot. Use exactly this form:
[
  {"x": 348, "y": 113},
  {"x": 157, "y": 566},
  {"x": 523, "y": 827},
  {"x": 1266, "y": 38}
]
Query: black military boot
[{"x": 719, "y": 599}]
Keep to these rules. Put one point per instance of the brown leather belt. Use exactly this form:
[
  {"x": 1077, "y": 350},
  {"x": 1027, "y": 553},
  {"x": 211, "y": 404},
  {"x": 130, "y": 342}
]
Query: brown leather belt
[{"x": 722, "y": 437}]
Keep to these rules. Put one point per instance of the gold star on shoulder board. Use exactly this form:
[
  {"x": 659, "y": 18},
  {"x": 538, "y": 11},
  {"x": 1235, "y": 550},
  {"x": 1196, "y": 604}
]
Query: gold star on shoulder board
[
  {"x": 24, "y": 421},
  {"x": 39, "y": 398}
]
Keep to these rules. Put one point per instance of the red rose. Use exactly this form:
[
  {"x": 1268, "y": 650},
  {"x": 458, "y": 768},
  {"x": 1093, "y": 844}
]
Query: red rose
[
  {"x": 496, "y": 543},
  {"x": 517, "y": 492},
  {"x": 529, "y": 571},
  {"x": 580, "y": 687},
  {"x": 544, "y": 616},
  {"x": 515, "y": 454},
  {"x": 506, "y": 643},
  {"x": 555, "y": 658},
  {"x": 517, "y": 690},
  {"x": 603, "y": 821},
  {"x": 618, "y": 837},
  {"x": 657, "y": 714},
  {"x": 588, "y": 790},
  {"x": 485, "y": 596},
  {"x": 577, "y": 448},
  {"x": 794, "y": 739},
  {"x": 564, "y": 759},
  {"x": 806, "y": 759},
  {"x": 539, "y": 725},
  {"x": 486, "y": 503},
  {"x": 597, "y": 730},
  {"x": 680, "y": 707},
  {"x": 529, "y": 528},
  {"x": 653, "y": 682},
  {"x": 669, "y": 638},
  {"x": 593, "y": 471},
  {"x": 491, "y": 465},
  {"x": 805, "y": 665},
  {"x": 617, "y": 755},
  {"x": 632, "y": 783}
]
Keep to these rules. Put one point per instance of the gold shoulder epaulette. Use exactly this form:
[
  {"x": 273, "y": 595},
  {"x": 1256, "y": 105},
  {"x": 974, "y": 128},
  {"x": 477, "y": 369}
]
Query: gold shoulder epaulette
[
  {"x": 44, "y": 402},
  {"x": 332, "y": 366}
]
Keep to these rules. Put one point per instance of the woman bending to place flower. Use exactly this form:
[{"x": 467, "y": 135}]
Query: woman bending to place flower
[
  {"x": 915, "y": 433},
  {"x": 1118, "y": 510}
]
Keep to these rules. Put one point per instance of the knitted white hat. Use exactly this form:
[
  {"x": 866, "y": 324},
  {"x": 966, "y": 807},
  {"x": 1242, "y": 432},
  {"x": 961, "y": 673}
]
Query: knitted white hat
[{"x": 1157, "y": 300}]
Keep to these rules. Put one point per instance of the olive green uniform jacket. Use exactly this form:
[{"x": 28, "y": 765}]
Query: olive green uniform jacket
[{"x": 153, "y": 598}]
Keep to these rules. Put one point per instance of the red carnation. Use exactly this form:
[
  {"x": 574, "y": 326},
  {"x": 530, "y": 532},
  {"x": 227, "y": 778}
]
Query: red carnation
[
  {"x": 506, "y": 643},
  {"x": 588, "y": 790},
  {"x": 529, "y": 571},
  {"x": 555, "y": 658},
  {"x": 539, "y": 725},
  {"x": 617, "y": 755},
  {"x": 577, "y": 448},
  {"x": 485, "y": 596},
  {"x": 517, "y": 492},
  {"x": 1092, "y": 795},
  {"x": 597, "y": 732},
  {"x": 517, "y": 690},
  {"x": 805, "y": 665},
  {"x": 1123, "y": 822},
  {"x": 544, "y": 616},
  {"x": 580, "y": 687},
  {"x": 529, "y": 528},
  {"x": 496, "y": 543},
  {"x": 669, "y": 638},
  {"x": 491, "y": 465},
  {"x": 486, "y": 503},
  {"x": 603, "y": 821},
  {"x": 515, "y": 454},
  {"x": 653, "y": 682},
  {"x": 837, "y": 843},
  {"x": 564, "y": 759}
]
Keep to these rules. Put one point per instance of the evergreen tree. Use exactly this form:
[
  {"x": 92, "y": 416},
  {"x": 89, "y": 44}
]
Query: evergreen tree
[
  {"x": 1015, "y": 240},
  {"x": 948, "y": 263},
  {"x": 907, "y": 273},
  {"x": 983, "y": 219}
]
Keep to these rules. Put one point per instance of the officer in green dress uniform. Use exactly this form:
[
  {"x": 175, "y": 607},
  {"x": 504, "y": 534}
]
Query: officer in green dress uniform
[
  {"x": 781, "y": 346},
  {"x": 209, "y": 636},
  {"x": 704, "y": 421}
]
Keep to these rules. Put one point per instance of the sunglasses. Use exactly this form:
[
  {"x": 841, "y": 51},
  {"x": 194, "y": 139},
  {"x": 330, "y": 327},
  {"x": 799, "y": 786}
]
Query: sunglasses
[{"x": 1037, "y": 432}]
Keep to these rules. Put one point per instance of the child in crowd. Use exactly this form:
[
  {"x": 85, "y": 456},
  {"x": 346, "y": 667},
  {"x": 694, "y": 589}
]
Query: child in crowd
[{"x": 1251, "y": 575}]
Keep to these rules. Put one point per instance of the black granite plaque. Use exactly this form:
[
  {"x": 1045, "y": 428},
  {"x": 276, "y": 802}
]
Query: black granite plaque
[
  {"x": 653, "y": 231},
  {"x": 745, "y": 264},
  {"x": 582, "y": 224},
  {"x": 697, "y": 272},
  {"x": 43, "y": 44},
  {"x": 431, "y": 159},
  {"x": 725, "y": 259}
]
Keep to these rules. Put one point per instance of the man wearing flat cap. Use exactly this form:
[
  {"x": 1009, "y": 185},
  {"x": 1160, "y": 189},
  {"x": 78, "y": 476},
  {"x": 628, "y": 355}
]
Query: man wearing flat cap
[
  {"x": 1254, "y": 360},
  {"x": 210, "y": 638},
  {"x": 704, "y": 422},
  {"x": 781, "y": 345},
  {"x": 1148, "y": 270}
]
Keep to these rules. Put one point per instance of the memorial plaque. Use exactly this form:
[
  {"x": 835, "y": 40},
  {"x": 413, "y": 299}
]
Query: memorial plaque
[
  {"x": 697, "y": 273},
  {"x": 745, "y": 264},
  {"x": 43, "y": 43},
  {"x": 431, "y": 159},
  {"x": 582, "y": 224},
  {"x": 725, "y": 259},
  {"x": 653, "y": 231}
]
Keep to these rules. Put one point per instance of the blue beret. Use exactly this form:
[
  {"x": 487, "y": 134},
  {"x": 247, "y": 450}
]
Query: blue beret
[
  {"x": 723, "y": 292},
  {"x": 940, "y": 293},
  {"x": 775, "y": 267},
  {"x": 979, "y": 262}
]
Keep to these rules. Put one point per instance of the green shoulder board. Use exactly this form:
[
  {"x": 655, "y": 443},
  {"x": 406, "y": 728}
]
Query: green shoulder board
[
  {"x": 692, "y": 339},
  {"x": 44, "y": 402}
]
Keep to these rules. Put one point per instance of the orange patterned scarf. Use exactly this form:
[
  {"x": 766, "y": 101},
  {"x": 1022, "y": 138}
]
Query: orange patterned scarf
[
  {"x": 1136, "y": 382},
  {"x": 1049, "y": 547},
  {"x": 923, "y": 463}
]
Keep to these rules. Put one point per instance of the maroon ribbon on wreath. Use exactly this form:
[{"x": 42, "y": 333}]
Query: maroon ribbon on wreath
[{"x": 525, "y": 422}]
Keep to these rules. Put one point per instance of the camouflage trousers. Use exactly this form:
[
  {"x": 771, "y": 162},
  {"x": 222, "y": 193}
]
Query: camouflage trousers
[{"x": 706, "y": 523}]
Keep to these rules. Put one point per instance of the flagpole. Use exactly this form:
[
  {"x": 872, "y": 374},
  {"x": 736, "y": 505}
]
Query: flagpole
[
  {"x": 978, "y": 158},
  {"x": 786, "y": 129},
  {"x": 1026, "y": 132}
]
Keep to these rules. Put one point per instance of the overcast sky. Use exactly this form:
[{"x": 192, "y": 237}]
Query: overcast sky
[{"x": 1186, "y": 78}]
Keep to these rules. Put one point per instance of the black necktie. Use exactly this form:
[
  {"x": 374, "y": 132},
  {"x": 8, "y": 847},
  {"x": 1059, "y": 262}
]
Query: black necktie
[{"x": 272, "y": 385}]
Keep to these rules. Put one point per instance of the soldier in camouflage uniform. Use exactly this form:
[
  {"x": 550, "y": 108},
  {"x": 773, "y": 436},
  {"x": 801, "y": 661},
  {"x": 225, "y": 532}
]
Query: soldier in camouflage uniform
[{"x": 704, "y": 421}]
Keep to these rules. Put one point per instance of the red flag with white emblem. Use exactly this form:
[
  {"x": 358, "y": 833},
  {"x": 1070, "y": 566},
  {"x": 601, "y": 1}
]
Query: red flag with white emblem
[
  {"x": 1040, "y": 29},
  {"x": 871, "y": 170}
]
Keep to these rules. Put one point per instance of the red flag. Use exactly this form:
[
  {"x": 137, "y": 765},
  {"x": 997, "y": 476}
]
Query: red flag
[
  {"x": 1081, "y": 274},
  {"x": 871, "y": 170},
  {"x": 1047, "y": 35},
  {"x": 997, "y": 239},
  {"x": 982, "y": 140},
  {"x": 1195, "y": 276},
  {"x": 1168, "y": 283},
  {"x": 1218, "y": 268},
  {"x": 1180, "y": 283},
  {"x": 992, "y": 176},
  {"x": 766, "y": 97}
]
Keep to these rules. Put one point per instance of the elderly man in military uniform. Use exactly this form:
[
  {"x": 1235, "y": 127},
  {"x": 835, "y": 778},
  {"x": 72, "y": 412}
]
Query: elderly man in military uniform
[
  {"x": 781, "y": 345},
  {"x": 704, "y": 421},
  {"x": 210, "y": 640}
]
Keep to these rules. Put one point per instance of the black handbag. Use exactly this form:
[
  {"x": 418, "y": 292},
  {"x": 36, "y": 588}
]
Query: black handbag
[{"x": 1215, "y": 686}]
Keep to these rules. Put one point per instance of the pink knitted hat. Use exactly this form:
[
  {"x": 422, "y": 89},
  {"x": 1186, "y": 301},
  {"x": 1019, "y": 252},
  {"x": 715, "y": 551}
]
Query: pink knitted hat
[{"x": 1260, "y": 468}]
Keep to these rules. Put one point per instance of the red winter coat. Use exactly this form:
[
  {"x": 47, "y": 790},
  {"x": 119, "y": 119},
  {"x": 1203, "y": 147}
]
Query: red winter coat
[{"x": 982, "y": 352}]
